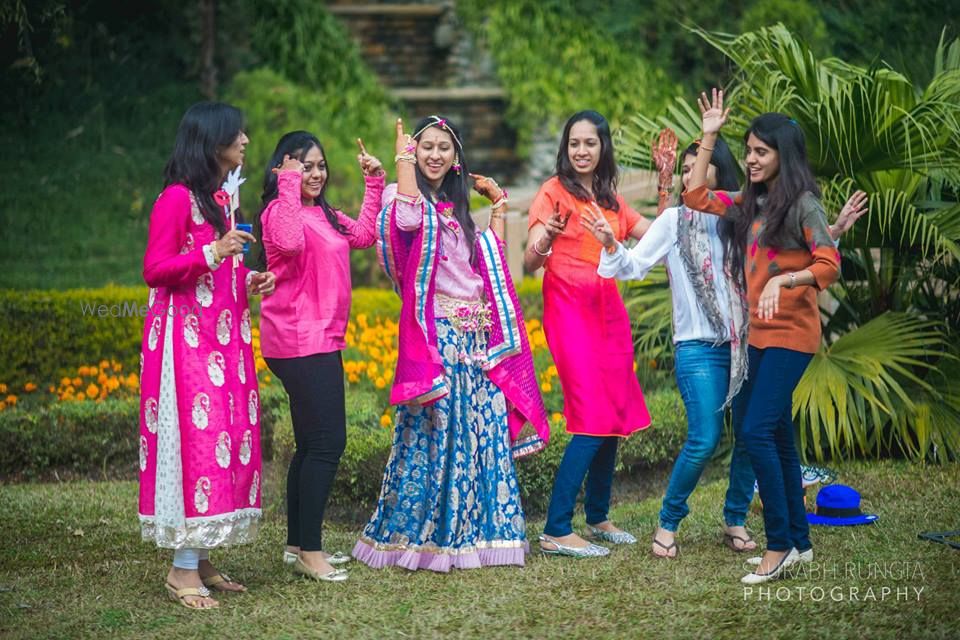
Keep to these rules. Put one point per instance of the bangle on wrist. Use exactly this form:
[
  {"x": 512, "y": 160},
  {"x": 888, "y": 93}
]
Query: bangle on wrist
[
  {"x": 793, "y": 280},
  {"x": 402, "y": 197},
  {"x": 216, "y": 254},
  {"x": 536, "y": 250},
  {"x": 706, "y": 148},
  {"x": 405, "y": 157}
]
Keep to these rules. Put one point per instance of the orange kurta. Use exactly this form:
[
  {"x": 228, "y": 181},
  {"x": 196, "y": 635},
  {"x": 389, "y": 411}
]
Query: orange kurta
[
  {"x": 586, "y": 323},
  {"x": 796, "y": 325}
]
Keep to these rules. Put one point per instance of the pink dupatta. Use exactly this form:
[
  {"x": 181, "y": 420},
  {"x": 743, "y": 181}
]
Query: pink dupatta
[{"x": 410, "y": 261}]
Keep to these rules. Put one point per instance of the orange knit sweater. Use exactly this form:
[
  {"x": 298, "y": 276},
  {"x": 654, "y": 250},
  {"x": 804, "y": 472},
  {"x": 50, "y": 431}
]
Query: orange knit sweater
[{"x": 796, "y": 325}]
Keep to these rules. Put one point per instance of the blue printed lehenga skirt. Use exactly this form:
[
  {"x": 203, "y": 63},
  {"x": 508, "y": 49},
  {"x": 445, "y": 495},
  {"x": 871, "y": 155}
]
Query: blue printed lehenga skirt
[{"x": 450, "y": 497}]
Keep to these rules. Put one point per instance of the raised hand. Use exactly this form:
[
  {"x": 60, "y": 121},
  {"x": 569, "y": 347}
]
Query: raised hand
[
  {"x": 712, "y": 113},
  {"x": 406, "y": 145},
  {"x": 595, "y": 222},
  {"x": 665, "y": 155},
  {"x": 369, "y": 164},
  {"x": 852, "y": 211},
  {"x": 289, "y": 164},
  {"x": 487, "y": 187}
]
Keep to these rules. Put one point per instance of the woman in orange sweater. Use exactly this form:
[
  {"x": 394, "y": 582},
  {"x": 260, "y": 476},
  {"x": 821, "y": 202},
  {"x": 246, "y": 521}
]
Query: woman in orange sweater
[{"x": 782, "y": 246}]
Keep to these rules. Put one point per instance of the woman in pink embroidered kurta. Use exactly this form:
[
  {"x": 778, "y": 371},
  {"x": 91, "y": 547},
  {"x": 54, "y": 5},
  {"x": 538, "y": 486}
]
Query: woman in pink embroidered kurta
[{"x": 200, "y": 468}]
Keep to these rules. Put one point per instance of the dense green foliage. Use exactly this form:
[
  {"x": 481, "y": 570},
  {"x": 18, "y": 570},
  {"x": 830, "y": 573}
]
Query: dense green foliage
[
  {"x": 885, "y": 380},
  {"x": 554, "y": 61}
]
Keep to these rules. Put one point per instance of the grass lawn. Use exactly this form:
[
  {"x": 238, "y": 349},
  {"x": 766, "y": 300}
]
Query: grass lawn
[{"x": 72, "y": 565}]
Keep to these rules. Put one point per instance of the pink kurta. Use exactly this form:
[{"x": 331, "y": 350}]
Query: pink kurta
[
  {"x": 309, "y": 310},
  {"x": 586, "y": 323},
  {"x": 200, "y": 467}
]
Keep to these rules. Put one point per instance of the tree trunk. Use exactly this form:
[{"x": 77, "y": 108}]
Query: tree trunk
[{"x": 208, "y": 41}]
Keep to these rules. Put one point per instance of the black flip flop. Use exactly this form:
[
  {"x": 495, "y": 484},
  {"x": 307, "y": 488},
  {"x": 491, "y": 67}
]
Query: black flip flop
[
  {"x": 728, "y": 540},
  {"x": 666, "y": 548}
]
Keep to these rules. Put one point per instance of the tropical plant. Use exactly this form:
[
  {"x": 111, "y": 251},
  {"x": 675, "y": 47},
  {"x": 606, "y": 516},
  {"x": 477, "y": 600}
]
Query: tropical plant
[{"x": 885, "y": 379}]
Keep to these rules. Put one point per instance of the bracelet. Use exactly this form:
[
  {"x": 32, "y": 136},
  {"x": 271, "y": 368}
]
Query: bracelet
[
  {"x": 793, "y": 280},
  {"x": 497, "y": 215},
  {"x": 216, "y": 254},
  {"x": 499, "y": 203},
  {"x": 539, "y": 253},
  {"x": 405, "y": 157},
  {"x": 402, "y": 197},
  {"x": 706, "y": 148}
]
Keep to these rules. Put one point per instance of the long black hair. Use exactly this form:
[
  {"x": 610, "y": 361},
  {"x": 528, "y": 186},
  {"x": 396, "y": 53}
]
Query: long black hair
[
  {"x": 605, "y": 175},
  {"x": 454, "y": 187},
  {"x": 296, "y": 144},
  {"x": 205, "y": 129},
  {"x": 727, "y": 180},
  {"x": 794, "y": 177}
]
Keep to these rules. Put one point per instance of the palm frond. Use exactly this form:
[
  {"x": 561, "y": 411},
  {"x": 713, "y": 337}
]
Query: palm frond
[{"x": 863, "y": 382}]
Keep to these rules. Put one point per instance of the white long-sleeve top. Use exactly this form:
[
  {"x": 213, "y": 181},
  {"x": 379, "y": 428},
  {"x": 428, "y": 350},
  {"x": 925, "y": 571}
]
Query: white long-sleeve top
[{"x": 659, "y": 244}]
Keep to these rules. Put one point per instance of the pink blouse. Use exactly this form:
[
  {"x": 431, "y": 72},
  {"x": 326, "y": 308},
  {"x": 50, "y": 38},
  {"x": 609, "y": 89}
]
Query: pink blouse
[
  {"x": 308, "y": 312},
  {"x": 456, "y": 277}
]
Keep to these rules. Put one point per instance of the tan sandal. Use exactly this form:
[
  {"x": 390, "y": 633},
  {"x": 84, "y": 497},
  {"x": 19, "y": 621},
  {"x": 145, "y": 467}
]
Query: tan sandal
[
  {"x": 222, "y": 578},
  {"x": 181, "y": 595}
]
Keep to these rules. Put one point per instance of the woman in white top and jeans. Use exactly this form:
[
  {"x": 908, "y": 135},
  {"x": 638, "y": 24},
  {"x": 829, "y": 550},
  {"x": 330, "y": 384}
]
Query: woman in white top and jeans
[{"x": 710, "y": 322}]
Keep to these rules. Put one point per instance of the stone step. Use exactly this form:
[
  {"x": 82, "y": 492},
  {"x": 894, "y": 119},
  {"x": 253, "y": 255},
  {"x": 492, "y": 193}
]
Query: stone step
[
  {"x": 417, "y": 10},
  {"x": 451, "y": 94}
]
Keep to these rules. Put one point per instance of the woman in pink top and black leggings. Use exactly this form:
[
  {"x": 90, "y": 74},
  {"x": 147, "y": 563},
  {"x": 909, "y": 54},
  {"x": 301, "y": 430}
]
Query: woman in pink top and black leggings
[{"x": 307, "y": 245}]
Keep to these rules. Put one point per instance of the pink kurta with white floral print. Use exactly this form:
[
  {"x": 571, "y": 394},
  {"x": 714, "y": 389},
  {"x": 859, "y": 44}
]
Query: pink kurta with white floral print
[{"x": 200, "y": 468}]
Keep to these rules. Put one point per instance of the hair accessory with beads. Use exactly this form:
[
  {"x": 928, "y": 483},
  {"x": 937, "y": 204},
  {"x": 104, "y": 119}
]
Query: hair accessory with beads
[{"x": 442, "y": 123}]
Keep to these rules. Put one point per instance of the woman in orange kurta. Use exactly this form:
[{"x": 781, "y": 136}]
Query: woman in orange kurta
[{"x": 587, "y": 330}]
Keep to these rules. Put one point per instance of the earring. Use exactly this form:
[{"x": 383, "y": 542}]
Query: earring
[{"x": 456, "y": 163}]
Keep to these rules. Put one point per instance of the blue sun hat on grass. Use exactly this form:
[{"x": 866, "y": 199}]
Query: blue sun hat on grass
[{"x": 839, "y": 506}]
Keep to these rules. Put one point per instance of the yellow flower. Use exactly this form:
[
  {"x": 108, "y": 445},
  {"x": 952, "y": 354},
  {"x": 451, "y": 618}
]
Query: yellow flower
[
  {"x": 556, "y": 416},
  {"x": 102, "y": 378},
  {"x": 386, "y": 420},
  {"x": 11, "y": 400},
  {"x": 81, "y": 396},
  {"x": 30, "y": 387},
  {"x": 93, "y": 390},
  {"x": 546, "y": 387},
  {"x": 353, "y": 378},
  {"x": 3, "y": 405},
  {"x": 117, "y": 367},
  {"x": 52, "y": 389},
  {"x": 380, "y": 382},
  {"x": 77, "y": 382},
  {"x": 267, "y": 378},
  {"x": 3, "y": 388},
  {"x": 63, "y": 382},
  {"x": 104, "y": 364}
]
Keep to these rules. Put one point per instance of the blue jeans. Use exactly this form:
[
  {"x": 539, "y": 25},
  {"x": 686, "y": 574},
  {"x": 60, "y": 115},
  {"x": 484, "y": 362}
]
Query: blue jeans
[
  {"x": 763, "y": 419},
  {"x": 703, "y": 375},
  {"x": 593, "y": 455}
]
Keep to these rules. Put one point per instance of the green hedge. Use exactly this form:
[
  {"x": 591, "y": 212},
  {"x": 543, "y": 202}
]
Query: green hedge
[
  {"x": 93, "y": 438},
  {"x": 48, "y": 334}
]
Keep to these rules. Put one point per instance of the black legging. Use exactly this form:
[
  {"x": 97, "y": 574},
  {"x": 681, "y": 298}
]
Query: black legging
[{"x": 315, "y": 386}]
